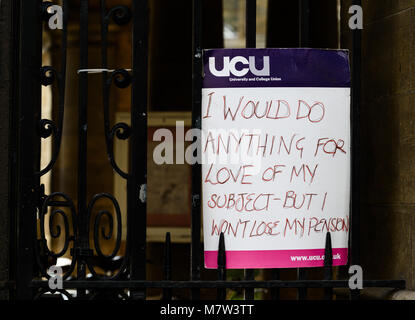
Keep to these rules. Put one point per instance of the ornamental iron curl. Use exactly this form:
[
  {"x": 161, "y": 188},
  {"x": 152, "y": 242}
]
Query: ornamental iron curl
[
  {"x": 81, "y": 231},
  {"x": 107, "y": 234},
  {"x": 55, "y": 231},
  {"x": 47, "y": 128},
  {"x": 121, "y": 15},
  {"x": 121, "y": 78},
  {"x": 48, "y": 75},
  {"x": 62, "y": 293},
  {"x": 121, "y": 130}
]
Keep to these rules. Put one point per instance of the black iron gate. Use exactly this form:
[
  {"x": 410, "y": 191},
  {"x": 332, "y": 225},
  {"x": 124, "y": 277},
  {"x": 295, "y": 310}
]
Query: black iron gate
[{"x": 34, "y": 208}]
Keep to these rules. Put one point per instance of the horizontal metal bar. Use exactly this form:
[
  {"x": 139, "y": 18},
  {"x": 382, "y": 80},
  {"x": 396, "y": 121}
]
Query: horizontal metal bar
[
  {"x": 396, "y": 284},
  {"x": 61, "y": 204}
]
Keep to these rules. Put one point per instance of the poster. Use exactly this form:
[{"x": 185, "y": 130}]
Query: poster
[{"x": 275, "y": 156}]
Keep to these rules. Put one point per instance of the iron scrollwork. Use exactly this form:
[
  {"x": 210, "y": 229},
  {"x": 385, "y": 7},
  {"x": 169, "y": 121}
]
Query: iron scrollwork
[
  {"x": 99, "y": 230},
  {"x": 121, "y": 130},
  {"x": 121, "y": 78},
  {"x": 57, "y": 210},
  {"x": 120, "y": 14},
  {"x": 55, "y": 230},
  {"x": 62, "y": 294},
  {"x": 66, "y": 228},
  {"x": 48, "y": 75}
]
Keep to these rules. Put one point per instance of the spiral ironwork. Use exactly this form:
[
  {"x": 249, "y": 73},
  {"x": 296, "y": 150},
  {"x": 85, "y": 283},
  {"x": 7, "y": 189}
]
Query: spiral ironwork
[
  {"x": 62, "y": 292},
  {"x": 68, "y": 224},
  {"x": 48, "y": 75},
  {"x": 121, "y": 15},
  {"x": 82, "y": 230},
  {"x": 121, "y": 78},
  {"x": 106, "y": 234}
]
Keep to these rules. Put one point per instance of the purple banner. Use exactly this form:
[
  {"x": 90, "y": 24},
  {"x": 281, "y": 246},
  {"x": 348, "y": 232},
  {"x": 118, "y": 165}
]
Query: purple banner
[{"x": 224, "y": 68}]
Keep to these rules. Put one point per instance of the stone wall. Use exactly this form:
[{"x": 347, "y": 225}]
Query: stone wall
[{"x": 387, "y": 138}]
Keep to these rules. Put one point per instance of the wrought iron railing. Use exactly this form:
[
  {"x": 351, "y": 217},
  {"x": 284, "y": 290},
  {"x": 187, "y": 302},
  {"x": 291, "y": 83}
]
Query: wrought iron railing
[{"x": 129, "y": 280}]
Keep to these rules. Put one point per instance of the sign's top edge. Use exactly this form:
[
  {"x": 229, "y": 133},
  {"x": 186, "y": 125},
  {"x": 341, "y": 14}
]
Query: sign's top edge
[
  {"x": 291, "y": 67},
  {"x": 288, "y": 48}
]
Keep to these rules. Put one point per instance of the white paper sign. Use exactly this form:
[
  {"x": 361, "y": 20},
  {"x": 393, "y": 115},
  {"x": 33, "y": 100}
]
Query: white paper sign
[{"x": 276, "y": 158}]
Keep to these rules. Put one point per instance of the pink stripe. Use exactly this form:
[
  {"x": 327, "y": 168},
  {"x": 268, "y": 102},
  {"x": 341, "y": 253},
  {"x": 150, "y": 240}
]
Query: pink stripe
[{"x": 262, "y": 259}]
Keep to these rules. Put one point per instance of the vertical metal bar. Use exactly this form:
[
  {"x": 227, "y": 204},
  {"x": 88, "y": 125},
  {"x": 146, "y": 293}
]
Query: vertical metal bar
[
  {"x": 104, "y": 58},
  {"x": 302, "y": 274},
  {"x": 275, "y": 273},
  {"x": 355, "y": 115},
  {"x": 167, "y": 293},
  {"x": 221, "y": 266},
  {"x": 82, "y": 142},
  {"x": 304, "y": 36},
  {"x": 249, "y": 274},
  {"x": 304, "y": 41},
  {"x": 196, "y": 123},
  {"x": 137, "y": 180},
  {"x": 28, "y": 144},
  {"x": 250, "y": 23},
  {"x": 354, "y": 254},
  {"x": 275, "y": 292},
  {"x": 328, "y": 264},
  {"x": 13, "y": 134}
]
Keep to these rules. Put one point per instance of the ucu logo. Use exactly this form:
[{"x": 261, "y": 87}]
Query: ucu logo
[{"x": 239, "y": 66}]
